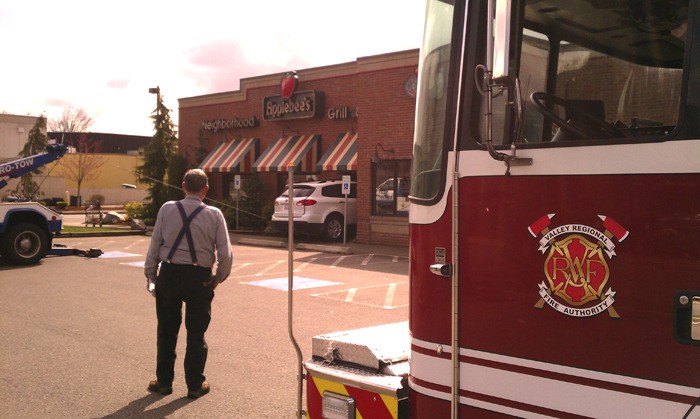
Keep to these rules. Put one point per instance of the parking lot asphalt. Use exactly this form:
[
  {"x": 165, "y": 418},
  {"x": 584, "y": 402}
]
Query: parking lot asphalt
[{"x": 248, "y": 238}]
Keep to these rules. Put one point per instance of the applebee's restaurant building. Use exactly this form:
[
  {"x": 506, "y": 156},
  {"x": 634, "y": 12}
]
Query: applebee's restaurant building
[{"x": 352, "y": 119}]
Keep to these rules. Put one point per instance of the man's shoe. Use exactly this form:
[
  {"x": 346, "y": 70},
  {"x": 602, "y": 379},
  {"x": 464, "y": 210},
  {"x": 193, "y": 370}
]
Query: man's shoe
[
  {"x": 199, "y": 392},
  {"x": 156, "y": 387}
]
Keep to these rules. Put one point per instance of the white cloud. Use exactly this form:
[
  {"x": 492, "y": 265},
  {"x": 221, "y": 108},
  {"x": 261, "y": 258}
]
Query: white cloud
[{"x": 103, "y": 57}]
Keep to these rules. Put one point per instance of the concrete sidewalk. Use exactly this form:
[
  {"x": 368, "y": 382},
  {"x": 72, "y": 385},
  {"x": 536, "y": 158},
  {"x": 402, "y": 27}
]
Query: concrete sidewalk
[
  {"x": 247, "y": 238},
  {"x": 351, "y": 247}
]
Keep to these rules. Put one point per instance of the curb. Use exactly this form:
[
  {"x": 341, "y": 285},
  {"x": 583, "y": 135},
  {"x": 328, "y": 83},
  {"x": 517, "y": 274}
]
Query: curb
[
  {"x": 324, "y": 248},
  {"x": 251, "y": 241},
  {"x": 260, "y": 242}
]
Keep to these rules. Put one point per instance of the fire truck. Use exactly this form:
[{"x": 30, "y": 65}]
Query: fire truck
[{"x": 554, "y": 222}]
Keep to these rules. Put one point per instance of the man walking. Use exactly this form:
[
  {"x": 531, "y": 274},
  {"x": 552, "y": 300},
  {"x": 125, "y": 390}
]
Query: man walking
[{"x": 188, "y": 238}]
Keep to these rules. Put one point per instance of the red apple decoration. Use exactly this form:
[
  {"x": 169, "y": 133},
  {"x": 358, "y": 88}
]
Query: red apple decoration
[{"x": 289, "y": 83}]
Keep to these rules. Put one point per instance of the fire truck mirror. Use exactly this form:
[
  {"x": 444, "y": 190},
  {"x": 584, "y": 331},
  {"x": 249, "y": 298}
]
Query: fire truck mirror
[
  {"x": 687, "y": 317},
  {"x": 501, "y": 45}
]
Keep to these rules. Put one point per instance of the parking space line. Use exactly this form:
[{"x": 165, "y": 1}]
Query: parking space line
[
  {"x": 134, "y": 243},
  {"x": 389, "y": 299},
  {"x": 105, "y": 244},
  {"x": 269, "y": 268},
  {"x": 303, "y": 265},
  {"x": 351, "y": 292},
  {"x": 241, "y": 266},
  {"x": 367, "y": 259},
  {"x": 350, "y": 295},
  {"x": 337, "y": 262}
]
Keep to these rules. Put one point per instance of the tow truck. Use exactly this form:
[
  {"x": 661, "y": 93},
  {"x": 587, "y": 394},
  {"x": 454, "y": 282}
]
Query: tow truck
[{"x": 27, "y": 228}]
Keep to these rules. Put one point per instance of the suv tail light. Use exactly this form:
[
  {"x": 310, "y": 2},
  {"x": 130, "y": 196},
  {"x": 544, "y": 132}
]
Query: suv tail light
[{"x": 307, "y": 202}]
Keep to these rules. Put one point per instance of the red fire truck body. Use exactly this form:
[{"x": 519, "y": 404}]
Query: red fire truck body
[{"x": 555, "y": 213}]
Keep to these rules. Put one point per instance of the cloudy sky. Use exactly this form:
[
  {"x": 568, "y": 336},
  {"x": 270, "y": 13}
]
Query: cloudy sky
[{"x": 104, "y": 56}]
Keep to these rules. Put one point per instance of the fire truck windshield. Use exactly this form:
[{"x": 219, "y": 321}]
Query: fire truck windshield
[
  {"x": 431, "y": 104},
  {"x": 595, "y": 72}
]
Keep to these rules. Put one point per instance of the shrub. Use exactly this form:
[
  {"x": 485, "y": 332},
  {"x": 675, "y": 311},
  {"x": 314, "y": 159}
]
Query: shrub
[
  {"x": 97, "y": 198},
  {"x": 135, "y": 210},
  {"x": 251, "y": 209}
]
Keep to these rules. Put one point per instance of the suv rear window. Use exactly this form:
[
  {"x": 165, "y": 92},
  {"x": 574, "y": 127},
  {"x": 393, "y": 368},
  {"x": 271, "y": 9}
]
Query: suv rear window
[
  {"x": 300, "y": 191},
  {"x": 336, "y": 191}
]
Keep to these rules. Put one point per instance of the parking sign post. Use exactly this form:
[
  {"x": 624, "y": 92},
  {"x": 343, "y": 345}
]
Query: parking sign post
[
  {"x": 290, "y": 288},
  {"x": 237, "y": 187},
  {"x": 346, "y": 192}
]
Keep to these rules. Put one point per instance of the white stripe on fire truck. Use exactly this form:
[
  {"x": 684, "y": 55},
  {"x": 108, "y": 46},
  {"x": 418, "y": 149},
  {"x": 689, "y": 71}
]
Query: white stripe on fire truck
[
  {"x": 649, "y": 158},
  {"x": 666, "y": 157},
  {"x": 561, "y": 395},
  {"x": 561, "y": 369},
  {"x": 477, "y": 403}
]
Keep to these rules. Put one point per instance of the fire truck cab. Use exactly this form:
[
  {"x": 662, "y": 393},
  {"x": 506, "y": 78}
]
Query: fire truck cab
[{"x": 555, "y": 211}]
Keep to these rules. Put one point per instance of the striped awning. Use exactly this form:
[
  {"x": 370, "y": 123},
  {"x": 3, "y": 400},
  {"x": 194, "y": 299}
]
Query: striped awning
[
  {"x": 301, "y": 150},
  {"x": 235, "y": 156},
  {"x": 342, "y": 154}
]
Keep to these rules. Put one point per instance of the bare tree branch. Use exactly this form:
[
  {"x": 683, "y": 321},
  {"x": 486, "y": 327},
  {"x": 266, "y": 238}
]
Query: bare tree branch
[
  {"x": 85, "y": 165},
  {"x": 72, "y": 120}
]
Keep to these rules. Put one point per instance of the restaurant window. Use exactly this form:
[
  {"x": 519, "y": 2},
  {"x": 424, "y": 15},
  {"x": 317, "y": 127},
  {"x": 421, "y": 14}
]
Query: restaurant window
[{"x": 392, "y": 183}]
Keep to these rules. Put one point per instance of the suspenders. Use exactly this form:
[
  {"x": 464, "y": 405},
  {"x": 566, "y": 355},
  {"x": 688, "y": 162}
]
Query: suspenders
[{"x": 185, "y": 232}]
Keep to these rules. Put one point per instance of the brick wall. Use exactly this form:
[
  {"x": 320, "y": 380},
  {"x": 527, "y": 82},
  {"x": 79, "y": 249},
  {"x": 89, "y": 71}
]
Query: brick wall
[{"x": 372, "y": 85}]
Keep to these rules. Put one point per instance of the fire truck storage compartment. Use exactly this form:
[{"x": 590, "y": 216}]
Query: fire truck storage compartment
[{"x": 372, "y": 359}]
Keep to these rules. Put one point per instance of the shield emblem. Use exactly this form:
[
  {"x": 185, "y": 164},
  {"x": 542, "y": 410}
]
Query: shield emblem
[{"x": 576, "y": 270}]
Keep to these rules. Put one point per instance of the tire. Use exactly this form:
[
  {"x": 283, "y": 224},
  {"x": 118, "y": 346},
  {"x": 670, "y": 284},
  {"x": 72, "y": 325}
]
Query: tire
[
  {"x": 24, "y": 244},
  {"x": 333, "y": 228}
]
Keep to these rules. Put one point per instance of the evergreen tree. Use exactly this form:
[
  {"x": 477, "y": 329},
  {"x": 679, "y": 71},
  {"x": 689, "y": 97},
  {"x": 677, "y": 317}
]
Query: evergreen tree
[
  {"x": 200, "y": 152},
  {"x": 252, "y": 203},
  {"x": 176, "y": 172},
  {"x": 36, "y": 143},
  {"x": 157, "y": 155}
]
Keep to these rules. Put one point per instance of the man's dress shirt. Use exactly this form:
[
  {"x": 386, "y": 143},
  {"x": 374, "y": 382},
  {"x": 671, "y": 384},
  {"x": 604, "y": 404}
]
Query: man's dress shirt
[{"x": 209, "y": 234}]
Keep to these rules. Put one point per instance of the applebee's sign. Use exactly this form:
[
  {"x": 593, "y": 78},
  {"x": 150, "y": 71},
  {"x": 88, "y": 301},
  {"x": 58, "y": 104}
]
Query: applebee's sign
[{"x": 290, "y": 104}]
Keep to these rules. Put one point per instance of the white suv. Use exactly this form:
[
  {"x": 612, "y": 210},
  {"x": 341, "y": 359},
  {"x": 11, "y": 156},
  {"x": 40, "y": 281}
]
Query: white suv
[{"x": 319, "y": 207}]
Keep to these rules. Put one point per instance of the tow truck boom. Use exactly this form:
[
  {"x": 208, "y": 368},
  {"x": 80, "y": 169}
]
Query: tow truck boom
[{"x": 16, "y": 168}]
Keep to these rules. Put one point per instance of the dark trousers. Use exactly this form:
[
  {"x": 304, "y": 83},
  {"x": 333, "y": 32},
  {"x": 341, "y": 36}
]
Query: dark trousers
[{"x": 177, "y": 284}]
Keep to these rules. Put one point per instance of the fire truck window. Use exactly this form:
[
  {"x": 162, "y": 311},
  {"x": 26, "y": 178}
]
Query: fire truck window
[
  {"x": 535, "y": 51},
  {"x": 602, "y": 73},
  {"x": 638, "y": 100},
  {"x": 430, "y": 136}
]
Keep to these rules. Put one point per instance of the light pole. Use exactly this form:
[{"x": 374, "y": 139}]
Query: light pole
[{"x": 155, "y": 91}]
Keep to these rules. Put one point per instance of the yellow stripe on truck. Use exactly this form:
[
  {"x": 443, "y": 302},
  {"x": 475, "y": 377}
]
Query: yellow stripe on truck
[{"x": 367, "y": 403}]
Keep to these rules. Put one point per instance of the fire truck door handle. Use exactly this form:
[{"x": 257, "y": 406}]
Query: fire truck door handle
[
  {"x": 442, "y": 269},
  {"x": 687, "y": 317}
]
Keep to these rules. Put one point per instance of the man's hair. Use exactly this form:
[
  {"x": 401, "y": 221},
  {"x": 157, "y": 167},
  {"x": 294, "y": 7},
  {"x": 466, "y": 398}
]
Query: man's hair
[{"x": 195, "y": 180}]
